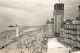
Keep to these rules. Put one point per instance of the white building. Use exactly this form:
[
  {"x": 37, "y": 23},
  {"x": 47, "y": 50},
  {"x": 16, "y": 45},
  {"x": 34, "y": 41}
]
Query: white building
[{"x": 50, "y": 28}]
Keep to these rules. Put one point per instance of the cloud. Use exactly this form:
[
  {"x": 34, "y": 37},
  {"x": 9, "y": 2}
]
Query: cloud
[{"x": 33, "y": 12}]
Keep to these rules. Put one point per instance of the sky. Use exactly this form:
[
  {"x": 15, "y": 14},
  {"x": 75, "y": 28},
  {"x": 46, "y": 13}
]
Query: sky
[{"x": 33, "y": 12}]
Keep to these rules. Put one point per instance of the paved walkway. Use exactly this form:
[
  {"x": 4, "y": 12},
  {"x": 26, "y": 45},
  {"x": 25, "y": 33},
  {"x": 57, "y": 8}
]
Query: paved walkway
[{"x": 57, "y": 47}]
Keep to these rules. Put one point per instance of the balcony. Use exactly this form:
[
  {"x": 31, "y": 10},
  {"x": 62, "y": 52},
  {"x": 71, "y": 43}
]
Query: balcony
[
  {"x": 75, "y": 34},
  {"x": 74, "y": 29}
]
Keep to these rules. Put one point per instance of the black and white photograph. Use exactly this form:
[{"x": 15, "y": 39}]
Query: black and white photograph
[{"x": 39, "y": 26}]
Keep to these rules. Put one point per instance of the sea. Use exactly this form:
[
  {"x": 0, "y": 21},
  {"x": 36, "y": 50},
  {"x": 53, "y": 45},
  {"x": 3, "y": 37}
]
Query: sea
[{"x": 4, "y": 28}]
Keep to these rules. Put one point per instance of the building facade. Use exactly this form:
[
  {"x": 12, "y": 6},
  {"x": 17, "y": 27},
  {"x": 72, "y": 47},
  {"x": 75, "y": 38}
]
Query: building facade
[
  {"x": 58, "y": 16},
  {"x": 70, "y": 35},
  {"x": 79, "y": 11},
  {"x": 50, "y": 28}
]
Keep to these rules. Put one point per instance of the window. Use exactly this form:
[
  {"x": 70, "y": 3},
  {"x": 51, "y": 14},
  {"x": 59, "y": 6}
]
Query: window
[{"x": 73, "y": 26}]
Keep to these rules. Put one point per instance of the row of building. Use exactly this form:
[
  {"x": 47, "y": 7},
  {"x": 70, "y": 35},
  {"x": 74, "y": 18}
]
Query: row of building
[
  {"x": 67, "y": 31},
  {"x": 70, "y": 33},
  {"x": 56, "y": 23}
]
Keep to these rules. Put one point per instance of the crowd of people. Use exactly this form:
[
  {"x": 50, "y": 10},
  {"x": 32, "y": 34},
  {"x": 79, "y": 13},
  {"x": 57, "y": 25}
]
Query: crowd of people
[
  {"x": 9, "y": 35},
  {"x": 32, "y": 40}
]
